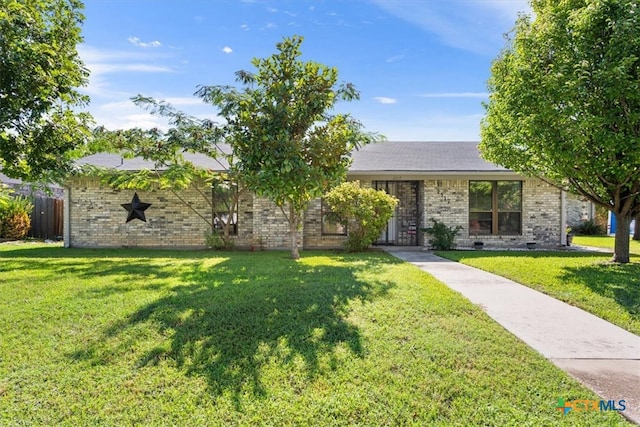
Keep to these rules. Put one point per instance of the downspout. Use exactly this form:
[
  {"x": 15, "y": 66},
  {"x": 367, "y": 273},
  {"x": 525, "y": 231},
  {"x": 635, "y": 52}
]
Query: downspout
[
  {"x": 66, "y": 232},
  {"x": 563, "y": 218}
]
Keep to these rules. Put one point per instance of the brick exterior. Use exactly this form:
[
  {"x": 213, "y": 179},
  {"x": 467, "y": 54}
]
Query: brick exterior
[
  {"x": 313, "y": 237},
  {"x": 448, "y": 201},
  {"x": 95, "y": 217},
  {"x": 579, "y": 210}
]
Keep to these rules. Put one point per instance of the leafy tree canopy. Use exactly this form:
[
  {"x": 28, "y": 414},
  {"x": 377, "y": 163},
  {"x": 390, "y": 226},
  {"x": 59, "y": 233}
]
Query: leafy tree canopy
[
  {"x": 167, "y": 150},
  {"x": 39, "y": 72},
  {"x": 290, "y": 148},
  {"x": 565, "y": 103}
]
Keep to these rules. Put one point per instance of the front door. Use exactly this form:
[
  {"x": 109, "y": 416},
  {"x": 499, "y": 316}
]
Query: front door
[{"x": 403, "y": 228}]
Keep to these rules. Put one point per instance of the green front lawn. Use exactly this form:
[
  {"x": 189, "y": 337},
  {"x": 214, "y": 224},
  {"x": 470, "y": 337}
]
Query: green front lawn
[
  {"x": 586, "y": 280},
  {"x": 134, "y": 337},
  {"x": 606, "y": 242}
]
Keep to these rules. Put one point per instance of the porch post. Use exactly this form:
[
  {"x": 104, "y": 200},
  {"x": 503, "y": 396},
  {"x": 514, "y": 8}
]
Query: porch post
[
  {"x": 563, "y": 218},
  {"x": 66, "y": 232}
]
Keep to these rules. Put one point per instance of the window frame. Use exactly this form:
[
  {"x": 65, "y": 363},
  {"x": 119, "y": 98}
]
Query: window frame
[
  {"x": 324, "y": 211},
  {"x": 495, "y": 210},
  {"x": 217, "y": 200}
]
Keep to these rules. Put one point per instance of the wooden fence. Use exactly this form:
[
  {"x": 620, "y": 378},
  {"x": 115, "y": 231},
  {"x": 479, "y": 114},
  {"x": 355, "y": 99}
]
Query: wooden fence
[{"x": 47, "y": 219}]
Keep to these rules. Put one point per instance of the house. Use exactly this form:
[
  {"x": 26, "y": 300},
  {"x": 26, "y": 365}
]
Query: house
[
  {"x": 447, "y": 181},
  {"x": 22, "y": 188}
]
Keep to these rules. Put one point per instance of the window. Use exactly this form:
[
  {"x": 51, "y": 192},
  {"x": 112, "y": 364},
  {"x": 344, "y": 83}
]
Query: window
[
  {"x": 225, "y": 206},
  {"x": 495, "y": 207},
  {"x": 330, "y": 226}
]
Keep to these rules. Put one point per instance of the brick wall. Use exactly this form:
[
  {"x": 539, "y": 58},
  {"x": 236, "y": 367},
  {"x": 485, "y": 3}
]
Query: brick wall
[
  {"x": 579, "y": 209},
  {"x": 447, "y": 201},
  {"x": 270, "y": 225},
  {"x": 96, "y": 218},
  {"x": 313, "y": 238}
]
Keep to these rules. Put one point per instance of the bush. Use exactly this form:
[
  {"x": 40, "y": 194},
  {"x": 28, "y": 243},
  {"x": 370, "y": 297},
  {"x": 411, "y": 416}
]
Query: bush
[
  {"x": 443, "y": 236},
  {"x": 215, "y": 240},
  {"x": 589, "y": 228},
  {"x": 363, "y": 211},
  {"x": 14, "y": 217}
]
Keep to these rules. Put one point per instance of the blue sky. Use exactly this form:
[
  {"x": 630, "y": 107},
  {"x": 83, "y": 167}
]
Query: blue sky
[{"x": 421, "y": 66}]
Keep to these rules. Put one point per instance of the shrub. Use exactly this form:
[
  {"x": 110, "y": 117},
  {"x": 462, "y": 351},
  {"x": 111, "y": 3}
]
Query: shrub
[
  {"x": 589, "y": 228},
  {"x": 443, "y": 236},
  {"x": 215, "y": 240},
  {"x": 363, "y": 211},
  {"x": 14, "y": 217}
]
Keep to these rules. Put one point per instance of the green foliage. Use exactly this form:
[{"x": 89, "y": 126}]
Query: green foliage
[
  {"x": 15, "y": 221},
  {"x": 363, "y": 211},
  {"x": 289, "y": 147},
  {"x": 588, "y": 228},
  {"x": 565, "y": 102},
  {"x": 39, "y": 72},
  {"x": 443, "y": 235},
  {"x": 217, "y": 241},
  {"x": 168, "y": 153}
]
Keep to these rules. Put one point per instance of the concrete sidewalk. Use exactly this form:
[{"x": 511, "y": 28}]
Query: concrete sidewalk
[{"x": 604, "y": 357}]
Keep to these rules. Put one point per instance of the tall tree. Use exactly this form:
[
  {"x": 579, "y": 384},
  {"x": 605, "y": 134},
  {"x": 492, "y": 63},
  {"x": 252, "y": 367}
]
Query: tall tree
[
  {"x": 170, "y": 169},
  {"x": 289, "y": 147},
  {"x": 39, "y": 72},
  {"x": 564, "y": 103}
]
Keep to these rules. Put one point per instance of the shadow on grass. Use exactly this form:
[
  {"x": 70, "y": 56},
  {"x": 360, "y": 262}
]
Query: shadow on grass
[
  {"x": 229, "y": 321},
  {"x": 131, "y": 265},
  {"x": 616, "y": 281}
]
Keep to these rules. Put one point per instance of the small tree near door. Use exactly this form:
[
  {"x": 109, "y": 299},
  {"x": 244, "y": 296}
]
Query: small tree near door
[{"x": 363, "y": 211}]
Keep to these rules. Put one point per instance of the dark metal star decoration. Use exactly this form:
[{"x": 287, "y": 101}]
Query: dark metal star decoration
[{"x": 136, "y": 208}]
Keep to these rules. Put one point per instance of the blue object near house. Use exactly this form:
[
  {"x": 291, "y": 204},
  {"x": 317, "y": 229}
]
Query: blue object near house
[{"x": 611, "y": 227}]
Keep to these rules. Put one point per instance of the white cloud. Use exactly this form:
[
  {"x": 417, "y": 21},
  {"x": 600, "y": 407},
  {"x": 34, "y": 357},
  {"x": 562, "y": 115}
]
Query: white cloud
[
  {"x": 385, "y": 100},
  {"x": 184, "y": 101},
  {"x": 244, "y": 27},
  {"x": 227, "y": 49},
  {"x": 137, "y": 42},
  {"x": 472, "y": 25},
  {"x": 102, "y": 63},
  {"x": 124, "y": 114},
  {"x": 396, "y": 58},
  {"x": 270, "y": 26},
  {"x": 456, "y": 95}
]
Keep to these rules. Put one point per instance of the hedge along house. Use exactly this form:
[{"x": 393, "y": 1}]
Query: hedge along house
[{"x": 446, "y": 181}]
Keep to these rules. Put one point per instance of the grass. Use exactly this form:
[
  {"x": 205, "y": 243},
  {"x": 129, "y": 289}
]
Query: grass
[
  {"x": 585, "y": 280},
  {"x": 135, "y": 337},
  {"x": 605, "y": 242}
]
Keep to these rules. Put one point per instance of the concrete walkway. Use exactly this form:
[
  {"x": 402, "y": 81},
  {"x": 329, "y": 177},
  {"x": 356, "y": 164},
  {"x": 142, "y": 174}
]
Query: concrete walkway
[{"x": 604, "y": 357}]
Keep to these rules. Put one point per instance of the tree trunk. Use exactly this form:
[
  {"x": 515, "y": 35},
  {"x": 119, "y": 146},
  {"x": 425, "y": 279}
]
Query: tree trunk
[
  {"x": 636, "y": 230},
  {"x": 621, "y": 249},
  {"x": 293, "y": 232}
]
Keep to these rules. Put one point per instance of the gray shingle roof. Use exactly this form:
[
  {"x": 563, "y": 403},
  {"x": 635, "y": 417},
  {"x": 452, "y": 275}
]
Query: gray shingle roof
[
  {"x": 115, "y": 161},
  {"x": 393, "y": 156},
  {"x": 388, "y": 156}
]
